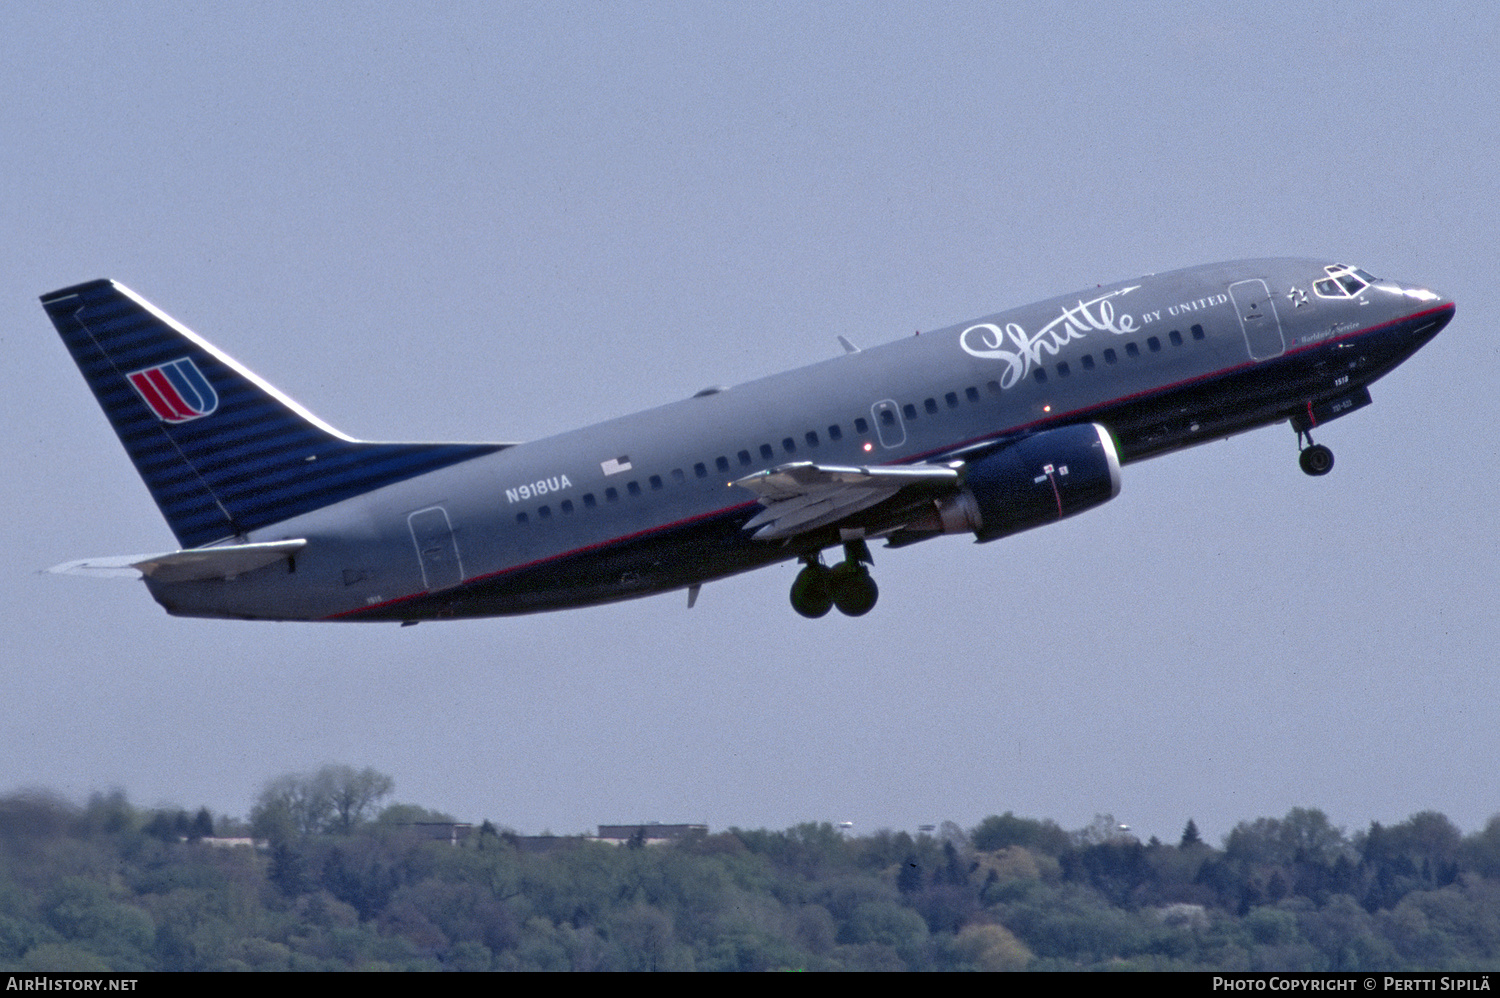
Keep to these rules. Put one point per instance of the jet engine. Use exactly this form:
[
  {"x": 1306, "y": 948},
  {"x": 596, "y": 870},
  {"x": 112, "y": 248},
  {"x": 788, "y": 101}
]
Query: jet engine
[{"x": 1038, "y": 479}]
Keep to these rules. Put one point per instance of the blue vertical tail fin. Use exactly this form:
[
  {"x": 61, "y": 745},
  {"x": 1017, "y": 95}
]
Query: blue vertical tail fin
[{"x": 221, "y": 451}]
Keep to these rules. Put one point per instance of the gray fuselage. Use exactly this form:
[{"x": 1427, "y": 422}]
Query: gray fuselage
[{"x": 646, "y": 503}]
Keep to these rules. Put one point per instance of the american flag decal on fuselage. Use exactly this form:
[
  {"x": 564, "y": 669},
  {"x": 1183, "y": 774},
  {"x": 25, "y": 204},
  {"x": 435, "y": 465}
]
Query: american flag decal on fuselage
[{"x": 176, "y": 391}]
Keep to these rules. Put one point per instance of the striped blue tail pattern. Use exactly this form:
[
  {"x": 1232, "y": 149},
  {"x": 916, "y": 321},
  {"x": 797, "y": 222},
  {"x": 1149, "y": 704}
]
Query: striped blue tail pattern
[{"x": 221, "y": 451}]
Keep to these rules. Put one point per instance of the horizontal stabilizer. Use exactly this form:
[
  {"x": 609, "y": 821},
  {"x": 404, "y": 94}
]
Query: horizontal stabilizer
[{"x": 191, "y": 565}]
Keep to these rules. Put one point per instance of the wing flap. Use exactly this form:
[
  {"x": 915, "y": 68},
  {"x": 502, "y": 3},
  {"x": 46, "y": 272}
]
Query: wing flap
[
  {"x": 191, "y": 565},
  {"x": 804, "y": 496}
]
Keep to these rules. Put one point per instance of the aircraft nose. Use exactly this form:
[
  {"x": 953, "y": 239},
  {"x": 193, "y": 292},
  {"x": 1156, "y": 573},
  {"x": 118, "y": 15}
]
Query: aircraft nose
[
  {"x": 1420, "y": 295},
  {"x": 1411, "y": 300},
  {"x": 1430, "y": 311}
]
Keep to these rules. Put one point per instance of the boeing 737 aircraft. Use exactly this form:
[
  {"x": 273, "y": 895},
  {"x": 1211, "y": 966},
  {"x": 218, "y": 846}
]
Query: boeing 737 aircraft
[{"x": 986, "y": 428}]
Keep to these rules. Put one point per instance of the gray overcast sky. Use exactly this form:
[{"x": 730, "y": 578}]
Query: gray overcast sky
[{"x": 499, "y": 221}]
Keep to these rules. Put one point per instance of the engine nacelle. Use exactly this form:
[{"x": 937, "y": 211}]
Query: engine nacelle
[{"x": 1038, "y": 479}]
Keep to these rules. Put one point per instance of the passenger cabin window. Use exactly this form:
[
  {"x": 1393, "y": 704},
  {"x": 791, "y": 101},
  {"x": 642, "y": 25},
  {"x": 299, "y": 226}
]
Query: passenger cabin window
[
  {"x": 612, "y": 494},
  {"x": 1062, "y": 369},
  {"x": 1153, "y": 343},
  {"x": 678, "y": 476},
  {"x": 722, "y": 463},
  {"x": 1132, "y": 350},
  {"x": 589, "y": 502},
  {"x": 766, "y": 452},
  {"x": 700, "y": 470},
  {"x": 952, "y": 399},
  {"x": 1087, "y": 360},
  {"x": 1040, "y": 374},
  {"x": 861, "y": 426},
  {"x": 835, "y": 433},
  {"x": 971, "y": 393},
  {"x": 789, "y": 445},
  {"x": 634, "y": 488},
  {"x": 567, "y": 505},
  {"x": 744, "y": 457},
  {"x": 1175, "y": 337},
  {"x": 1197, "y": 331},
  {"x": 545, "y": 512},
  {"x": 1109, "y": 355},
  {"x": 811, "y": 438},
  {"x": 521, "y": 517},
  {"x": 931, "y": 406},
  {"x": 655, "y": 481},
  {"x": 909, "y": 411}
]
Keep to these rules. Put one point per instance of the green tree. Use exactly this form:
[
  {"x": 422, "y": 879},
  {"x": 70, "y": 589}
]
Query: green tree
[
  {"x": 1000, "y": 831},
  {"x": 334, "y": 800},
  {"x": 415, "y": 814},
  {"x": 289, "y": 807},
  {"x": 1307, "y": 836},
  {"x": 352, "y": 794},
  {"x": 1482, "y": 849}
]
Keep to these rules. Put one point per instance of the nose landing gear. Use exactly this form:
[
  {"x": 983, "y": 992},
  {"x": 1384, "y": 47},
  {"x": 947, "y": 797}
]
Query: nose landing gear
[
  {"x": 1315, "y": 459},
  {"x": 847, "y": 585}
]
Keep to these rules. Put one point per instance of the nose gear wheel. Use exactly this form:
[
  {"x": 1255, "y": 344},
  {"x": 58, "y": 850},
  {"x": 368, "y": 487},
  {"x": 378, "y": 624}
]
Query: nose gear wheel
[{"x": 1315, "y": 459}]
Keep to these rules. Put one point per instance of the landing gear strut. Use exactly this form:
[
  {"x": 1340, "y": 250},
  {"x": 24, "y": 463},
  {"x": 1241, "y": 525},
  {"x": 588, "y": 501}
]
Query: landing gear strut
[
  {"x": 846, "y": 585},
  {"x": 1315, "y": 459}
]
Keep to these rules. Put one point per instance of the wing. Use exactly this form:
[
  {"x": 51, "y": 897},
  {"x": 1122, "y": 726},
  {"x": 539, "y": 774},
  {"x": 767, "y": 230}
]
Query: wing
[
  {"x": 805, "y": 496},
  {"x": 222, "y": 562}
]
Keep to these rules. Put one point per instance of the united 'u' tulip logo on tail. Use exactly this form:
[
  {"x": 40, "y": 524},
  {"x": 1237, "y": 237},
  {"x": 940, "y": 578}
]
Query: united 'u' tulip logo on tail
[{"x": 176, "y": 391}]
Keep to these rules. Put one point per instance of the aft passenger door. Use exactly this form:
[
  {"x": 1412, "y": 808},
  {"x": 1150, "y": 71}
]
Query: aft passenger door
[{"x": 436, "y": 548}]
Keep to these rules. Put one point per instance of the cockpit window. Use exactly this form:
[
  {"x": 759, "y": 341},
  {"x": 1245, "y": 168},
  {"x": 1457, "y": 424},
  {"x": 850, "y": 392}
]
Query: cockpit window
[{"x": 1343, "y": 282}]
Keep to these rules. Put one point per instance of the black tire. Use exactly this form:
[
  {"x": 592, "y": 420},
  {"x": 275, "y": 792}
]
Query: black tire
[
  {"x": 1316, "y": 460},
  {"x": 854, "y": 591},
  {"x": 811, "y": 594}
]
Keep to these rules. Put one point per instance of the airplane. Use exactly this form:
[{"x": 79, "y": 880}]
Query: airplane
[{"x": 984, "y": 428}]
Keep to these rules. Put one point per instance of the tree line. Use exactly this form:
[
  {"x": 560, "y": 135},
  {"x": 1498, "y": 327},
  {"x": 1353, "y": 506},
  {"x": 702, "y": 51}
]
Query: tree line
[{"x": 341, "y": 881}]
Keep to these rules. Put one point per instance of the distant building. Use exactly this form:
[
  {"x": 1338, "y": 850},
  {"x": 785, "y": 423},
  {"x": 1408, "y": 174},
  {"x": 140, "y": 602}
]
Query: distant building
[
  {"x": 544, "y": 843},
  {"x": 451, "y": 832},
  {"x": 648, "y": 834}
]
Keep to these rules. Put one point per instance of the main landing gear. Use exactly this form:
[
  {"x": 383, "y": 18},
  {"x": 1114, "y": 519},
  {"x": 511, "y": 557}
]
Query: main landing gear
[
  {"x": 1315, "y": 459},
  {"x": 846, "y": 585}
]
